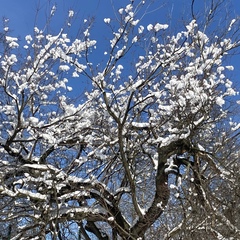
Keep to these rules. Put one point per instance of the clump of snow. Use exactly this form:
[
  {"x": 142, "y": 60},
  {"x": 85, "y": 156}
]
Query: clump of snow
[
  {"x": 64, "y": 68},
  {"x": 128, "y": 8},
  {"x": 53, "y": 10},
  {"x": 32, "y": 195},
  {"x": 160, "y": 205},
  {"x": 170, "y": 166},
  {"x": 159, "y": 27},
  {"x": 33, "y": 120},
  {"x": 70, "y": 13},
  {"x": 135, "y": 39},
  {"x": 12, "y": 42},
  {"x": 140, "y": 29},
  {"x": 150, "y": 27},
  {"x": 172, "y": 186},
  {"x": 231, "y": 24},
  {"x": 107, "y": 20},
  {"x": 111, "y": 219},
  {"x": 220, "y": 101},
  {"x": 230, "y": 68},
  {"x": 120, "y": 10},
  {"x": 177, "y": 195}
]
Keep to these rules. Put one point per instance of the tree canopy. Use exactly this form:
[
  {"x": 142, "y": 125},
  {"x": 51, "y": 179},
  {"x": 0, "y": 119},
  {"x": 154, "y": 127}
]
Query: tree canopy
[{"x": 150, "y": 151}]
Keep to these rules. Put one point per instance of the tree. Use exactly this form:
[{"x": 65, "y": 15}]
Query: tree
[{"x": 150, "y": 153}]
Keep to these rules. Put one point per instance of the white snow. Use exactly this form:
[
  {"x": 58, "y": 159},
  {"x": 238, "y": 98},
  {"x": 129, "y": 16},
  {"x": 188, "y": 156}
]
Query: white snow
[
  {"x": 140, "y": 29},
  {"x": 70, "y": 13},
  {"x": 33, "y": 120},
  {"x": 159, "y": 103},
  {"x": 36, "y": 166},
  {"x": 150, "y": 27},
  {"x": 111, "y": 219},
  {"x": 120, "y": 10},
  {"x": 64, "y": 68},
  {"x": 53, "y": 10},
  {"x": 170, "y": 165},
  {"x": 140, "y": 125},
  {"x": 230, "y": 68},
  {"x": 177, "y": 195},
  {"x": 160, "y": 205},
  {"x": 135, "y": 39},
  {"x": 128, "y": 8},
  {"x": 159, "y": 27},
  {"x": 172, "y": 186},
  {"x": 107, "y": 20},
  {"x": 220, "y": 101},
  {"x": 12, "y": 42},
  {"x": 231, "y": 24},
  {"x": 33, "y": 195}
]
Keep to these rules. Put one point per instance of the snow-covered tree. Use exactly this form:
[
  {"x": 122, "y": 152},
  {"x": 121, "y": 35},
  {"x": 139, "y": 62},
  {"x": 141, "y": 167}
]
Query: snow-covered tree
[{"x": 150, "y": 152}]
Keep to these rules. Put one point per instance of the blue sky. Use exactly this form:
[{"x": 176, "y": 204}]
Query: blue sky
[
  {"x": 22, "y": 12},
  {"x": 22, "y": 16}
]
